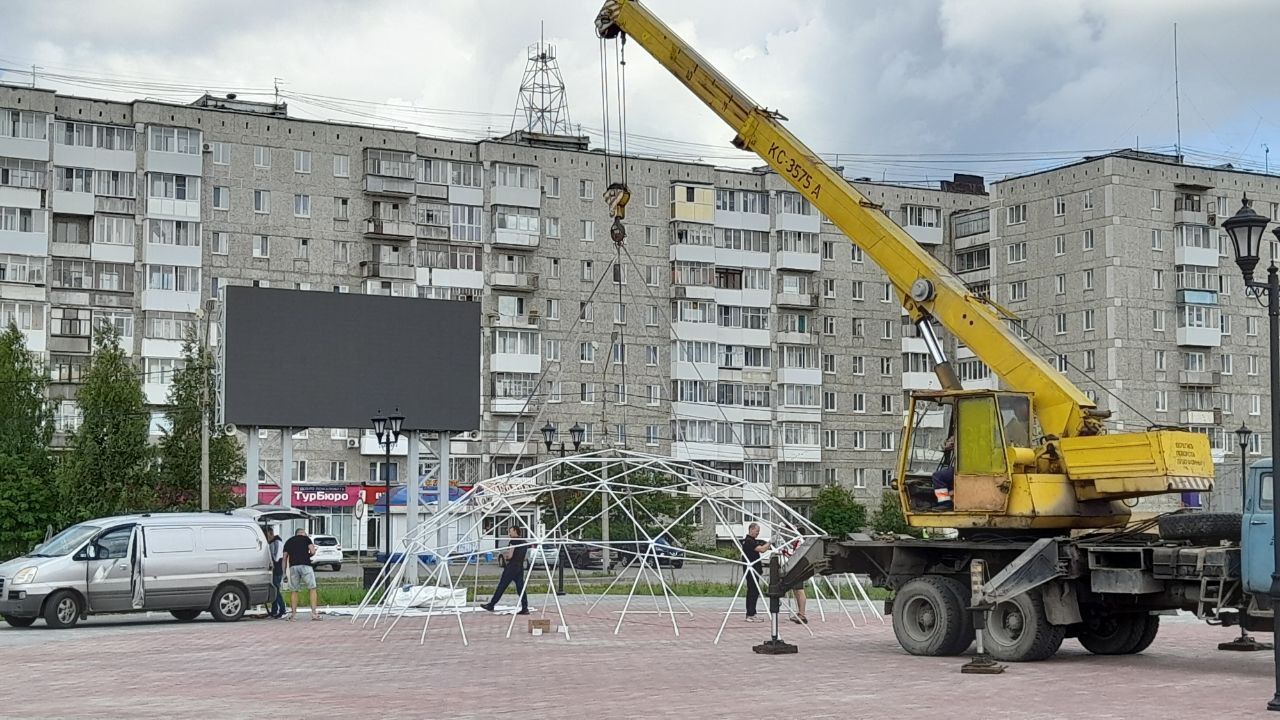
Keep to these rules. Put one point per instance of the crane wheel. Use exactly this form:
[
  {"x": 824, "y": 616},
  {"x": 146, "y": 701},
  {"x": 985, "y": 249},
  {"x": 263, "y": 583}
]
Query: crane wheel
[
  {"x": 929, "y": 616},
  {"x": 1106, "y": 633},
  {"x": 1019, "y": 631}
]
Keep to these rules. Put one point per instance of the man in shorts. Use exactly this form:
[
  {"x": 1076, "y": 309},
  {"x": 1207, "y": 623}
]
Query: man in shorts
[{"x": 297, "y": 566}]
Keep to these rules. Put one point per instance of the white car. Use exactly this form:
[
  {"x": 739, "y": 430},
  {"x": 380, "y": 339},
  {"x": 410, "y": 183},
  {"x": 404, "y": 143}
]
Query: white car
[{"x": 328, "y": 552}]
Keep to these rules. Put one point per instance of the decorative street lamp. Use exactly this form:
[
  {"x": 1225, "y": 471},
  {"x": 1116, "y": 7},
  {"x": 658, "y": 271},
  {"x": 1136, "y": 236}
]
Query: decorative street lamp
[
  {"x": 548, "y": 438},
  {"x": 1246, "y": 228},
  {"x": 388, "y": 431}
]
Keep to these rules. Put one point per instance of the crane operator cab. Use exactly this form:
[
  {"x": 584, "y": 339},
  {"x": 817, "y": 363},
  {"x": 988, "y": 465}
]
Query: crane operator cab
[{"x": 961, "y": 448}]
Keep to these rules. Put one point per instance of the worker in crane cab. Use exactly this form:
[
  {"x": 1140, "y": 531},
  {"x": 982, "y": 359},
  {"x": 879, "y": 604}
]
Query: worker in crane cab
[{"x": 944, "y": 478}]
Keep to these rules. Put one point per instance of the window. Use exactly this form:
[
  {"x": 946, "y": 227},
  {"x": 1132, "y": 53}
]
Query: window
[
  {"x": 1251, "y": 326},
  {"x": 1060, "y": 284},
  {"x": 1087, "y": 239},
  {"x": 650, "y": 196},
  {"x": 1090, "y": 362},
  {"x": 1162, "y": 400},
  {"x": 1157, "y": 239},
  {"x": 221, "y": 153},
  {"x": 828, "y": 288},
  {"x": 651, "y": 237},
  {"x": 341, "y": 166},
  {"x": 551, "y": 185},
  {"x": 1226, "y": 364},
  {"x": 219, "y": 242},
  {"x": 173, "y": 187},
  {"x": 302, "y": 161},
  {"x": 341, "y": 251},
  {"x": 1157, "y": 320},
  {"x": 1015, "y": 214},
  {"x": 920, "y": 216},
  {"x": 304, "y": 249},
  {"x": 886, "y": 367},
  {"x": 552, "y": 227},
  {"x": 886, "y": 404},
  {"x": 1059, "y": 206},
  {"x": 1157, "y": 279},
  {"x": 1060, "y": 324},
  {"x": 221, "y": 198},
  {"x": 585, "y": 189},
  {"x": 650, "y": 355},
  {"x": 261, "y": 156},
  {"x": 828, "y": 325},
  {"x": 1059, "y": 244},
  {"x": 828, "y": 250},
  {"x": 887, "y": 438},
  {"x": 588, "y": 274},
  {"x": 171, "y": 232},
  {"x": 652, "y": 316},
  {"x": 341, "y": 208},
  {"x": 464, "y": 223},
  {"x": 261, "y": 246},
  {"x": 517, "y": 176},
  {"x": 1155, "y": 200},
  {"x": 587, "y": 352},
  {"x": 1086, "y": 322},
  {"x": 302, "y": 206},
  {"x": 1018, "y": 290},
  {"x": 173, "y": 140},
  {"x": 1088, "y": 280},
  {"x": 262, "y": 201},
  {"x": 169, "y": 277},
  {"x": 829, "y": 401},
  {"x": 1224, "y": 324},
  {"x": 1255, "y": 404}
]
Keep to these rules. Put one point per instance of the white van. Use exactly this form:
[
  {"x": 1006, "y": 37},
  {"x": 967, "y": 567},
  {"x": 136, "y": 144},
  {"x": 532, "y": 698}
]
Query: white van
[{"x": 183, "y": 563}]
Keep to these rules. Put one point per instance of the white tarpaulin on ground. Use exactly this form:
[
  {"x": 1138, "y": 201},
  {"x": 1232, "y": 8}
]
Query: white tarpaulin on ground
[{"x": 424, "y": 595}]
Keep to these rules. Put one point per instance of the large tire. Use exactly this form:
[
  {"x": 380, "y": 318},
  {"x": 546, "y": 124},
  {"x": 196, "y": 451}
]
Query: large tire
[
  {"x": 1147, "y": 636},
  {"x": 1112, "y": 633},
  {"x": 18, "y": 622},
  {"x": 929, "y": 617},
  {"x": 62, "y": 609},
  {"x": 1019, "y": 631},
  {"x": 1200, "y": 526},
  {"x": 337, "y": 567},
  {"x": 229, "y": 603},
  {"x": 186, "y": 615}
]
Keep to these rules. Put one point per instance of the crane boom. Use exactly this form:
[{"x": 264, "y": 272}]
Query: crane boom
[{"x": 1062, "y": 409}]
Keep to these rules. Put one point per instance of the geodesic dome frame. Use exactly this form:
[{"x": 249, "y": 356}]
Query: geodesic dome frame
[{"x": 592, "y": 486}]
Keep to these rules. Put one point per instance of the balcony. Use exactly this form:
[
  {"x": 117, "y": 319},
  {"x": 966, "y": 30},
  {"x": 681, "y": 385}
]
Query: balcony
[
  {"x": 930, "y": 236},
  {"x": 1200, "y": 417},
  {"x": 789, "y": 260},
  {"x": 1199, "y": 337},
  {"x": 433, "y": 232},
  {"x": 1197, "y": 297},
  {"x": 517, "y": 239},
  {"x": 1199, "y": 377},
  {"x": 518, "y": 322},
  {"x": 394, "y": 186},
  {"x": 391, "y": 271},
  {"x": 797, "y": 338},
  {"x": 513, "y": 405},
  {"x": 390, "y": 229},
  {"x": 73, "y": 203},
  {"x": 119, "y": 206},
  {"x": 514, "y": 280},
  {"x": 1190, "y": 211},
  {"x": 1188, "y": 255},
  {"x": 798, "y": 300}
]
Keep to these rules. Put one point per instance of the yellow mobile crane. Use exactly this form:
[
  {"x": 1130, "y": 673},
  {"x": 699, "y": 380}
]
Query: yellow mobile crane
[
  {"x": 1032, "y": 463},
  {"x": 1007, "y": 475}
]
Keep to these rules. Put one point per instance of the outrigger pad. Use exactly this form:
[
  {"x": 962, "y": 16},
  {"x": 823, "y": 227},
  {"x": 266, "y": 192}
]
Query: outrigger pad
[{"x": 775, "y": 647}]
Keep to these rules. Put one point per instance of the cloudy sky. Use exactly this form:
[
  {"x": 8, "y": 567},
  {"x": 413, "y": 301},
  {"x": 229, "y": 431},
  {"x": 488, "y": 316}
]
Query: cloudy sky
[{"x": 907, "y": 89}]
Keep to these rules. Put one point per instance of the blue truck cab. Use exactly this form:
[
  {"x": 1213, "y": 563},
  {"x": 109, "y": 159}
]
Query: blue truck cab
[{"x": 1257, "y": 535}]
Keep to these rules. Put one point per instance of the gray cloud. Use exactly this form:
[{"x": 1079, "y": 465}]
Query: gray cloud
[{"x": 855, "y": 77}]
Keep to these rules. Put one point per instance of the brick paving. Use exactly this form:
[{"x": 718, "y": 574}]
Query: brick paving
[{"x": 154, "y": 667}]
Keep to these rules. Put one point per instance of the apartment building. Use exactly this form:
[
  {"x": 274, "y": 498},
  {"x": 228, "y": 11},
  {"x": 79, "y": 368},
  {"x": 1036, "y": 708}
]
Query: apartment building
[
  {"x": 734, "y": 326},
  {"x": 1119, "y": 265}
]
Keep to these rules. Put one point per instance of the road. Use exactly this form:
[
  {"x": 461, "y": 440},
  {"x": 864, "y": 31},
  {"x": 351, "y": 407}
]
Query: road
[{"x": 158, "y": 668}]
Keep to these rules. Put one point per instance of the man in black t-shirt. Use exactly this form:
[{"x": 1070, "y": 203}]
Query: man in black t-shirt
[
  {"x": 275, "y": 546},
  {"x": 297, "y": 564},
  {"x": 752, "y": 546},
  {"x": 513, "y": 572}
]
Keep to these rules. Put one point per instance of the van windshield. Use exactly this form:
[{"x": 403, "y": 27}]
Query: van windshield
[{"x": 67, "y": 541}]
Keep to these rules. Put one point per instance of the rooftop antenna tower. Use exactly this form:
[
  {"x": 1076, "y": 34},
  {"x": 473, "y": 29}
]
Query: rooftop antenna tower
[{"x": 542, "y": 106}]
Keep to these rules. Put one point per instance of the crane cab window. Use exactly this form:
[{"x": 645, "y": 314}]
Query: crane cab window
[
  {"x": 1015, "y": 417},
  {"x": 979, "y": 446},
  {"x": 930, "y": 423}
]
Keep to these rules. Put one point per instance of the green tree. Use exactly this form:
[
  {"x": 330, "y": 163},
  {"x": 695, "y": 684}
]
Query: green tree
[
  {"x": 27, "y": 501},
  {"x": 888, "y": 518},
  {"x": 108, "y": 468},
  {"x": 178, "y": 486},
  {"x": 838, "y": 512}
]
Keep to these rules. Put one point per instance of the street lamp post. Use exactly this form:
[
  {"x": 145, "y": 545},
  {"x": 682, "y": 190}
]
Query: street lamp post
[
  {"x": 388, "y": 431},
  {"x": 1246, "y": 229},
  {"x": 548, "y": 438}
]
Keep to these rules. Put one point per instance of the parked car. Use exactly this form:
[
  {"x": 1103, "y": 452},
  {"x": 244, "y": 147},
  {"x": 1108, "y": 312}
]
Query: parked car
[
  {"x": 328, "y": 552},
  {"x": 664, "y": 552},
  {"x": 183, "y": 563}
]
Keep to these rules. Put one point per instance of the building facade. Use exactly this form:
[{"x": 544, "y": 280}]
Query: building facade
[{"x": 734, "y": 325}]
